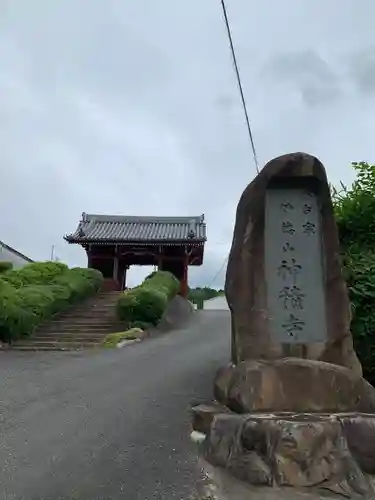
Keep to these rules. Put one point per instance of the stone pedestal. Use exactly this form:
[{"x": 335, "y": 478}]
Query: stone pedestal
[
  {"x": 313, "y": 453},
  {"x": 292, "y": 384},
  {"x": 292, "y": 423}
]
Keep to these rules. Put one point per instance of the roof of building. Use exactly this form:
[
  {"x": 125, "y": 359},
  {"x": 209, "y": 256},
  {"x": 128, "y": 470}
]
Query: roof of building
[
  {"x": 122, "y": 229},
  {"x": 15, "y": 252}
]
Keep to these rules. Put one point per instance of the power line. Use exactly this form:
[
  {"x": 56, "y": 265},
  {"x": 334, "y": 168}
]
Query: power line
[
  {"x": 240, "y": 85},
  {"x": 219, "y": 271},
  {"x": 245, "y": 111}
]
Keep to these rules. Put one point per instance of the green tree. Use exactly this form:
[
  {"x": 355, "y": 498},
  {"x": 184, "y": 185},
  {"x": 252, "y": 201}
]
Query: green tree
[
  {"x": 355, "y": 216},
  {"x": 198, "y": 294}
]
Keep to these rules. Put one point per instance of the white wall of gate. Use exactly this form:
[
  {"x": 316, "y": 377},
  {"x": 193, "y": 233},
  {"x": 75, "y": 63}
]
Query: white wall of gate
[{"x": 217, "y": 303}]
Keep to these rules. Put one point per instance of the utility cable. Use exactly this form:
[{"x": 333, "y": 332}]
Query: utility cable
[
  {"x": 240, "y": 85},
  {"x": 245, "y": 111},
  {"x": 219, "y": 271}
]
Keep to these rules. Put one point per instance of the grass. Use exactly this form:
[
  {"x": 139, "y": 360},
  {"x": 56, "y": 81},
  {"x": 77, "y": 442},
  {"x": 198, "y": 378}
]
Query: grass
[{"x": 113, "y": 339}]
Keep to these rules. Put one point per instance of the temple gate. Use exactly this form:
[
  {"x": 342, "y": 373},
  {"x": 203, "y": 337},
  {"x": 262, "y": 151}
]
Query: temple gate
[{"x": 113, "y": 243}]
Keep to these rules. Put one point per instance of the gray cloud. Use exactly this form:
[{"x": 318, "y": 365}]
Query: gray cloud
[
  {"x": 307, "y": 72},
  {"x": 132, "y": 107},
  {"x": 361, "y": 70}
]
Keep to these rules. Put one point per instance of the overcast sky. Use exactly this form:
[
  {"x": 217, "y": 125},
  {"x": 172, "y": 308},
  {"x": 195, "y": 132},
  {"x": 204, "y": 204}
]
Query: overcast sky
[{"x": 131, "y": 107}]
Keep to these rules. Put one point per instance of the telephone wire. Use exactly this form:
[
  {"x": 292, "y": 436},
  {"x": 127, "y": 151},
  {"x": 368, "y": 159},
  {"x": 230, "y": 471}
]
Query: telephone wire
[{"x": 240, "y": 85}]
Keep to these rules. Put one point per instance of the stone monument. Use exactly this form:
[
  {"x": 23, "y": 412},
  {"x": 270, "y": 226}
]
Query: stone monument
[
  {"x": 284, "y": 283},
  {"x": 292, "y": 408}
]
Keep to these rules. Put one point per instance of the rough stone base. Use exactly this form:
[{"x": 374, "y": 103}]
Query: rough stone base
[
  {"x": 315, "y": 454},
  {"x": 292, "y": 384},
  {"x": 223, "y": 486}
]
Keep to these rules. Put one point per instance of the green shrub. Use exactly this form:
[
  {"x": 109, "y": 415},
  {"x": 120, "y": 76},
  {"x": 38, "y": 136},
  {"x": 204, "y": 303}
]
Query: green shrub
[
  {"x": 164, "y": 281},
  {"x": 13, "y": 318},
  {"x": 34, "y": 293},
  {"x": 5, "y": 266},
  {"x": 359, "y": 269},
  {"x": 142, "y": 305},
  {"x": 62, "y": 298},
  {"x": 21, "y": 310},
  {"x": 142, "y": 325},
  {"x": 36, "y": 273},
  {"x": 147, "y": 302},
  {"x": 80, "y": 282},
  {"x": 355, "y": 216},
  {"x": 37, "y": 300}
]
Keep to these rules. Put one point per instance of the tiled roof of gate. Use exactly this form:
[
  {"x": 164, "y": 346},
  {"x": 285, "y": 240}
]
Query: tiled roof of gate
[{"x": 120, "y": 228}]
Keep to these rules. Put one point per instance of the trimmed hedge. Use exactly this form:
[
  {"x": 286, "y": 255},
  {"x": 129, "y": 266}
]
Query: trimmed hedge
[
  {"x": 36, "y": 273},
  {"x": 34, "y": 293},
  {"x": 146, "y": 303},
  {"x": 5, "y": 266}
]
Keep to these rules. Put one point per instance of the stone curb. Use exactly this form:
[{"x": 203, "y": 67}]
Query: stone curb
[{"x": 124, "y": 343}]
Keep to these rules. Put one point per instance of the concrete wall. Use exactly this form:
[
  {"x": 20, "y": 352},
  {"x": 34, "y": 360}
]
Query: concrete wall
[{"x": 12, "y": 256}]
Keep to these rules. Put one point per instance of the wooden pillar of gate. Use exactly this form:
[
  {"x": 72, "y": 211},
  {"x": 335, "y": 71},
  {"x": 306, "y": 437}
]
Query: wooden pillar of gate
[{"x": 184, "y": 279}]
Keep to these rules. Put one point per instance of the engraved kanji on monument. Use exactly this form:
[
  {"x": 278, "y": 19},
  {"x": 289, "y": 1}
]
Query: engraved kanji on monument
[
  {"x": 294, "y": 264},
  {"x": 284, "y": 282}
]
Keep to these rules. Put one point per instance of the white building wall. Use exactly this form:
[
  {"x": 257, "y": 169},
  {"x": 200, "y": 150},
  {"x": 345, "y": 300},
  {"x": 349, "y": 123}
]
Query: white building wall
[
  {"x": 16, "y": 259},
  {"x": 217, "y": 303}
]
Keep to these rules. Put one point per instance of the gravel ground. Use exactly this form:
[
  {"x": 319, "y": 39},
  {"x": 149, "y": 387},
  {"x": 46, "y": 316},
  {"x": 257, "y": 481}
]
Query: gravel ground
[{"x": 108, "y": 425}]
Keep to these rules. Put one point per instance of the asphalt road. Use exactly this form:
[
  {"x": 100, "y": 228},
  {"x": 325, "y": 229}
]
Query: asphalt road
[{"x": 108, "y": 425}]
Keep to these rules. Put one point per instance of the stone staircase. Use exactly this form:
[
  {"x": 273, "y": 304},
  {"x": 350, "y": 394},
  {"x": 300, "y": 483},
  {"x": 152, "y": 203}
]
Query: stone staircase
[{"x": 84, "y": 325}]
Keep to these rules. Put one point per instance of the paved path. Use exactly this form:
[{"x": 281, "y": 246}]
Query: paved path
[
  {"x": 107, "y": 425},
  {"x": 217, "y": 303}
]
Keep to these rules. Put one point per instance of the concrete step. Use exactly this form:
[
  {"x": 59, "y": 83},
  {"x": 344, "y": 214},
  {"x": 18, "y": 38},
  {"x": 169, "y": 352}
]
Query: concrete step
[
  {"x": 95, "y": 304},
  {"x": 83, "y": 321},
  {"x": 82, "y": 318},
  {"x": 81, "y": 310},
  {"x": 90, "y": 310},
  {"x": 77, "y": 333},
  {"x": 54, "y": 344},
  {"x": 63, "y": 338},
  {"x": 80, "y": 328},
  {"x": 102, "y": 299},
  {"x": 104, "y": 296},
  {"x": 66, "y": 336},
  {"x": 57, "y": 347}
]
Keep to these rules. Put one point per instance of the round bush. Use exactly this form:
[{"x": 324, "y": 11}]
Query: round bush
[
  {"x": 151, "y": 305},
  {"x": 164, "y": 281},
  {"x": 146, "y": 303},
  {"x": 141, "y": 305},
  {"x": 127, "y": 306}
]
